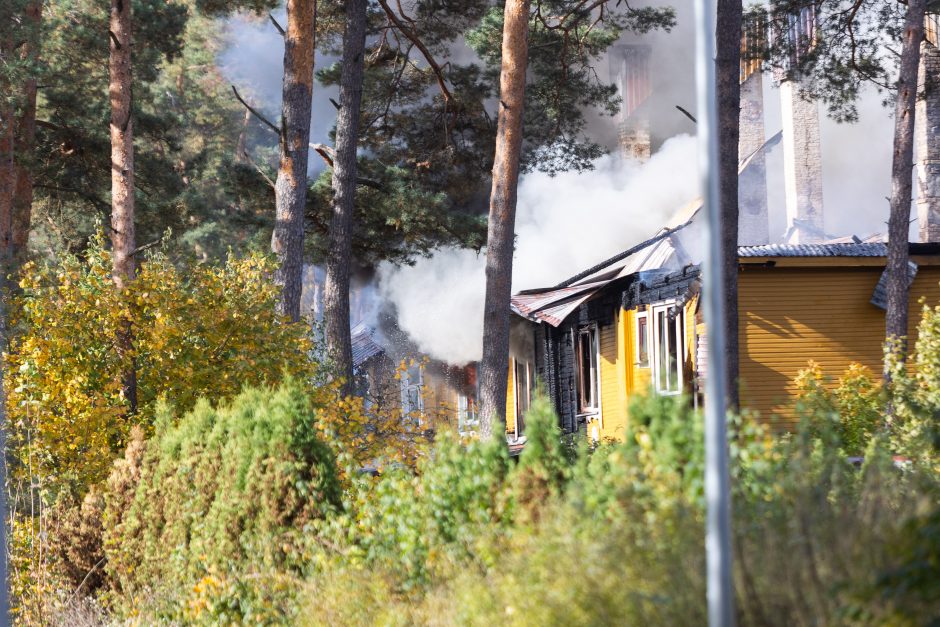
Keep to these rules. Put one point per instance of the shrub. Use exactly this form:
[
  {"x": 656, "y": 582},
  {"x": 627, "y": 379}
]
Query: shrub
[
  {"x": 203, "y": 331},
  {"x": 853, "y": 408},
  {"x": 224, "y": 519}
]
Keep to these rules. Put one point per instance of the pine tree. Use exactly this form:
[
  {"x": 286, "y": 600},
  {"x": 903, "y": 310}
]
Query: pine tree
[
  {"x": 727, "y": 75},
  {"x": 123, "y": 242},
  {"x": 499, "y": 244},
  {"x": 290, "y": 190},
  {"x": 902, "y": 166},
  {"x": 847, "y": 54},
  {"x": 336, "y": 290}
]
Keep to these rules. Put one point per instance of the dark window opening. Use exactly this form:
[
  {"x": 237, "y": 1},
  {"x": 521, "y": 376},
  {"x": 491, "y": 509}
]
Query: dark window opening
[{"x": 588, "y": 373}]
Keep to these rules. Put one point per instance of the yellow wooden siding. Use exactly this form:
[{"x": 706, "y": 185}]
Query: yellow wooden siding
[
  {"x": 640, "y": 378},
  {"x": 789, "y": 316},
  {"x": 612, "y": 384},
  {"x": 511, "y": 398}
]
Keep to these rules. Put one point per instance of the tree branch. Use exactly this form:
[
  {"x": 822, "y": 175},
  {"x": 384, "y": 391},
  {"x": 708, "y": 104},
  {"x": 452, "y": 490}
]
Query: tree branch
[
  {"x": 413, "y": 38},
  {"x": 255, "y": 113},
  {"x": 279, "y": 28},
  {"x": 327, "y": 153}
]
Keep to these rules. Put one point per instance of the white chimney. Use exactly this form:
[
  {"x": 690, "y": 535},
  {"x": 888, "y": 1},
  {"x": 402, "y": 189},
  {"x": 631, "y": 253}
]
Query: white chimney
[
  {"x": 631, "y": 65},
  {"x": 802, "y": 155},
  {"x": 753, "y": 221},
  {"x": 927, "y": 135}
]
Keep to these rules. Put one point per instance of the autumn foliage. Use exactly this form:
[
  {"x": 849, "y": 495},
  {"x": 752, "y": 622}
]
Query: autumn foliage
[{"x": 205, "y": 332}]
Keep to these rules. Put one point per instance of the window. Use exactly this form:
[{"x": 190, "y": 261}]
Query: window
[
  {"x": 412, "y": 397},
  {"x": 467, "y": 419},
  {"x": 522, "y": 386},
  {"x": 465, "y": 381},
  {"x": 642, "y": 340},
  {"x": 586, "y": 363},
  {"x": 668, "y": 336}
]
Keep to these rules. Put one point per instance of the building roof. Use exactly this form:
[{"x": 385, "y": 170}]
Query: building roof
[
  {"x": 872, "y": 249},
  {"x": 552, "y": 305},
  {"x": 364, "y": 346},
  {"x": 833, "y": 249}
]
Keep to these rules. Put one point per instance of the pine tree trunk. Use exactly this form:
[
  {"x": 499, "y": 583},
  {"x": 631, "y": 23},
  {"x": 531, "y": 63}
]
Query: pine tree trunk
[
  {"x": 7, "y": 157},
  {"x": 502, "y": 219},
  {"x": 901, "y": 182},
  {"x": 25, "y": 142},
  {"x": 290, "y": 189},
  {"x": 336, "y": 291},
  {"x": 122, "y": 177},
  {"x": 7, "y": 179},
  {"x": 727, "y": 74}
]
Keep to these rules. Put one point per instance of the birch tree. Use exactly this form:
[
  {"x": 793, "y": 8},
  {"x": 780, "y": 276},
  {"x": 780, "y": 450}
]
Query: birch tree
[
  {"x": 338, "y": 261},
  {"x": 290, "y": 188}
]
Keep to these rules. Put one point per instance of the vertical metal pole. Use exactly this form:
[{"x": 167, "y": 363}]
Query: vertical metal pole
[{"x": 717, "y": 493}]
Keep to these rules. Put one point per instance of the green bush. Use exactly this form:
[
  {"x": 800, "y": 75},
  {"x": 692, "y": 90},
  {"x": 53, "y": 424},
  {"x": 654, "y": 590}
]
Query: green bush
[
  {"x": 223, "y": 520},
  {"x": 618, "y": 536}
]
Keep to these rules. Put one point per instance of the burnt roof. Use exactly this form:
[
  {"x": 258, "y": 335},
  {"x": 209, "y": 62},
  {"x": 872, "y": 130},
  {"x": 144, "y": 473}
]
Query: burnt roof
[{"x": 364, "y": 346}]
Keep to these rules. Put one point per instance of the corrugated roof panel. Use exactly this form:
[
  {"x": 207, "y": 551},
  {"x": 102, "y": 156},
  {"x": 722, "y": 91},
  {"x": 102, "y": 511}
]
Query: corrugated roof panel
[
  {"x": 553, "y": 306},
  {"x": 364, "y": 346},
  {"x": 865, "y": 249}
]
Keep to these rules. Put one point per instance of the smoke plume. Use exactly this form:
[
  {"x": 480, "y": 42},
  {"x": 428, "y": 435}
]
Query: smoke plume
[{"x": 563, "y": 225}]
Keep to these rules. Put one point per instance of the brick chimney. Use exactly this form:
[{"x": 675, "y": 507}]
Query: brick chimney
[
  {"x": 631, "y": 66},
  {"x": 927, "y": 134},
  {"x": 802, "y": 155},
  {"x": 753, "y": 221}
]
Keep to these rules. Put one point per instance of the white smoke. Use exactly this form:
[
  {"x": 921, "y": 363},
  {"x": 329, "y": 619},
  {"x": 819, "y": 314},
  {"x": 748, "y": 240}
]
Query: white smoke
[{"x": 564, "y": 224}]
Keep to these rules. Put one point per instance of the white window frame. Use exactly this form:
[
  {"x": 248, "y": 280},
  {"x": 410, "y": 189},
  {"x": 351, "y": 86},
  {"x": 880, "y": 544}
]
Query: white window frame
[
  {"x": 467, "y": 418},
  {"x": 644, "y": 315},
  {"x": 517, "y": 387},
  {"x": 407, "y": 389},
  {"x": 595, "y": 409},
  {"x": 680, "y": 348}
]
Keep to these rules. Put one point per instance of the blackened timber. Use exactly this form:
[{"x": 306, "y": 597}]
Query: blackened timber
[
  {"x": 659, "y": 286},
  {"x": 621, "y": 256}
]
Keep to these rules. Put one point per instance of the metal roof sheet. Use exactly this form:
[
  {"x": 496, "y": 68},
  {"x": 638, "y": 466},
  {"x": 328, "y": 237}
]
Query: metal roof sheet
[
  {"x": 364, "y": 346},
  {"x": 554, "y": 305},
  {"x": 865, "y": 249}
]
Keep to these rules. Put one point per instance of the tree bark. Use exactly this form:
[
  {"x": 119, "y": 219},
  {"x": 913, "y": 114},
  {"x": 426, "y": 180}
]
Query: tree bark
[
  {"x": 122, "y": 177},
  {"x": 727, "y": 74},
  {"x": 902, "y": 166},
  {"x": 25, "y": 142},
  {"x": 7, "y": 180},
  {"x": 336, "y": 292},
  {"x": 290, "y": 189},
  {"x": 494, "y": 367}
]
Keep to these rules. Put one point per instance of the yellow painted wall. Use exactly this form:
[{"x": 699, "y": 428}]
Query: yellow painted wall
[
  {"x": 613, "y": 421},
  {"x": 511, "y": 399},
  {"x": 620, "y": 377},
  {"x": 790, "y": 315}
]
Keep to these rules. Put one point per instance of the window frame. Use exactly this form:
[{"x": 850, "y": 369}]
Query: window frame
[
  {"x": 680, "y": 340},
  {"x": 519, "y": 412},
  {"x": 409, "y": 387},
  {"x": 467, "y": 418},
  {"x": 637, "y": 361},
  {"x": 594, "y": 333}
]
